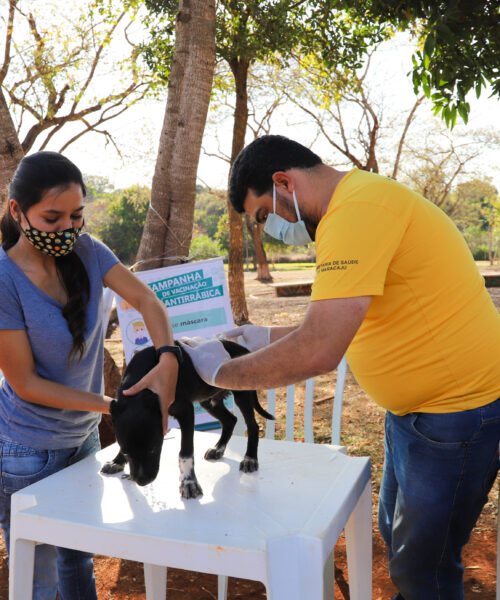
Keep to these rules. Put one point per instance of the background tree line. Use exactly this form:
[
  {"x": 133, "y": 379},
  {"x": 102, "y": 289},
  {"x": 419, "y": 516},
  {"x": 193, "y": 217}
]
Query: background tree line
[{"x": 117, "y": 217}]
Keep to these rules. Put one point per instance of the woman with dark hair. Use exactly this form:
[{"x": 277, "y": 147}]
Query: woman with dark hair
[{"x": 51, "y": 347}]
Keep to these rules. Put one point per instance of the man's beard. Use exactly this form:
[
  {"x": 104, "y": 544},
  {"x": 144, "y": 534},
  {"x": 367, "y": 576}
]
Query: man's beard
[
  {"x": 311, "y": 225},
  {"x": 311, "y": 222}
]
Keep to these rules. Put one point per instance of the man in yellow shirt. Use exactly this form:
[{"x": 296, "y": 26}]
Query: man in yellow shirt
[{"x": 397, "y": 290}]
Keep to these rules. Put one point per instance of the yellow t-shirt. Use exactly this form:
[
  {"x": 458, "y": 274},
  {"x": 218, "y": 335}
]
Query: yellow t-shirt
[{"x": 430, "y": 341}]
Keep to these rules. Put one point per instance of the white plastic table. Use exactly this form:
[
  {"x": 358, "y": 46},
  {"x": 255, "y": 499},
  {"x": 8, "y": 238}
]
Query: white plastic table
[{"x": 277, "y": 525}]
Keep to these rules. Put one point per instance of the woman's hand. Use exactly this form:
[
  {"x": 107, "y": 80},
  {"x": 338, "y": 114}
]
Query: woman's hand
[{"x": 162, "y": 380}]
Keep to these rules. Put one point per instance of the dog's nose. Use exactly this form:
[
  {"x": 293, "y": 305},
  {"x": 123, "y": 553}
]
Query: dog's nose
[
  {"x": 140, "y": 476},
  {"x": 143, "y": 481}
]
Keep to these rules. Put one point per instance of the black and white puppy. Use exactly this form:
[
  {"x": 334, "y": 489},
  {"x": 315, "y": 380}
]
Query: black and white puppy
[{"x": 138, "y": 425}]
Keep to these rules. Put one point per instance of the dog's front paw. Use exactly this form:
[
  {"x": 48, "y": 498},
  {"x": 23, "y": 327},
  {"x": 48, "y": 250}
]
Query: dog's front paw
[
  {"x": 249, "y": 465},
  {"x": 110, "y": 468},
  {"x": 190, "y": 488},
  {"x": 215, "y": 453}
]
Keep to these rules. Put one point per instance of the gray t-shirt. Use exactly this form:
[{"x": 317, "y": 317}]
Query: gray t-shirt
[{"x": 25, "y": 306}]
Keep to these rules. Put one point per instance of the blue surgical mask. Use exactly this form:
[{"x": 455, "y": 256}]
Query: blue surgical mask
[{"x": 293, "y": 234}]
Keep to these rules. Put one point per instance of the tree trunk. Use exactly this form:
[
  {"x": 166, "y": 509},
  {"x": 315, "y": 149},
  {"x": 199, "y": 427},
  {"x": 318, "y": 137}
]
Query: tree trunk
[
  {"x": 248, "y": 225},
  {"x": 11, "y": 151},
  {"x": 263, "y": 272},
  {"x": 236, "y": 278},
  {"x": 169, "y": 223},
  {"x": 491, "y": 254}
]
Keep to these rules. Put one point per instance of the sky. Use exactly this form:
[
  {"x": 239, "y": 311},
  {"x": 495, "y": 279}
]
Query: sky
[{"x": 137, "y": 131}]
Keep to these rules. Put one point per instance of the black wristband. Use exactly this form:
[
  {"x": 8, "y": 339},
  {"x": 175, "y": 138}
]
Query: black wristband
[{"x": 174, "y": 349}]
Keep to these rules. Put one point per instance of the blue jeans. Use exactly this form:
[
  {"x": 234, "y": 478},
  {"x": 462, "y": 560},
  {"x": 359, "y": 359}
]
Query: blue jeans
[
  {"x": 56, "y": 569},
  {"x": 438, "y": 471}
]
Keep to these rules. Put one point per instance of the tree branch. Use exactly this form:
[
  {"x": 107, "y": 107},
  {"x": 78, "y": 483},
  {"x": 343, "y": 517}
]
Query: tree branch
[
  {"x": 458, "y": 170},
  {"x": 371, "y": 163},
  {"x": 90, "y": 127},
  {"x": 50, "y": 135},
  {"x": 296, "y": 5},
  {"x": 102, "y": 119},
  {"x": 45, "y": 76},
  {"x": 96, "y": 61},
  {"x": 48, "y": 122},
  {"x": 222, "y": 156},
  {"x": 403, "y": 136},
  {"x": 8, "y": 40}
]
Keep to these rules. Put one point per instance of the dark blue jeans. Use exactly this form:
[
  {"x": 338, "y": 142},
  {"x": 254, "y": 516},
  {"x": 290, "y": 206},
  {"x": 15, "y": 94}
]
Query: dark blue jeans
[
  {"x": 438, "y": 471},
  {"x": 69, "y": 572}
]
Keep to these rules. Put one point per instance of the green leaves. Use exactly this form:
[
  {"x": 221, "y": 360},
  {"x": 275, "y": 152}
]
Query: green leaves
[
  {"x": 430, "y": 44},
  {"x": 256, "y": 30},
  {"x": 460, "y": 49},
  {"x": 121, "y": 224},
  {"x": 463, "y": 111}
]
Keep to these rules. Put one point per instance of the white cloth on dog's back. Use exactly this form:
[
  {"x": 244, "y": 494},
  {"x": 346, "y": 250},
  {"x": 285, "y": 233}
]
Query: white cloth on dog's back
[
  {"x": 252, "y": 337},
  {"x": 208, "y": 356}
]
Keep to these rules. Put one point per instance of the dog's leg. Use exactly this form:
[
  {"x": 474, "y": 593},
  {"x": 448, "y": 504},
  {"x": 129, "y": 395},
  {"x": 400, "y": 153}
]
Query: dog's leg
[
  {"x": 189, "y": 486},
  {"x": 227, "y": 420},
  {"x": 245, "y": 401},
  {"x": 116, "y": 465}
]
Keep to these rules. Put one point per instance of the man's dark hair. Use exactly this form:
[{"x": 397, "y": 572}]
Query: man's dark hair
[{"x": 256, "y": 163}]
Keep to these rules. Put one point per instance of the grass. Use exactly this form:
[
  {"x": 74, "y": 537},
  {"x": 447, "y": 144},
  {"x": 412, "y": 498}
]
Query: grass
[
  {"x": 299, "y": 266},
  {"x": 293, "y": 266},
  {"x": 296, "y": 266},
  {"x": 310, "y": 266}
]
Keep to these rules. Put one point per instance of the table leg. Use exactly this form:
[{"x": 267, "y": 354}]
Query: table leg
[
  {"x": 222, "y": 583},
  {"x": 295, "y": 568},
  {"x": 155, "y": 578},
  {"x": 21, "y": 567},
  {"x": 358, "y": 536},
  {"x": 329, "y": 577}
]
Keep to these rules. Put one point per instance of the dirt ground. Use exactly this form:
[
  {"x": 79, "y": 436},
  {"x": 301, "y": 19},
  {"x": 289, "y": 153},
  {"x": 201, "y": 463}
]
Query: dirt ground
[{"x": 362, "y": 434}]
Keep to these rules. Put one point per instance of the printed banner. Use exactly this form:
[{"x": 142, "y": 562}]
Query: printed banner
[{"x": 196, "y": 298}]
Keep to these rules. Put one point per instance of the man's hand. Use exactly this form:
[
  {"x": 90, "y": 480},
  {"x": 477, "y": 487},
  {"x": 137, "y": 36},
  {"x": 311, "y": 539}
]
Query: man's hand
[
  {"x": 253, "y": 337},
  {"x": 208, "y": 356},
  {"x": 162, "y": 380}
]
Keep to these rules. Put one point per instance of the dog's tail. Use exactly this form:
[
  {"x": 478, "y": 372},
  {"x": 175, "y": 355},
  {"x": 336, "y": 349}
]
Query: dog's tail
[{"x": 262, "y": 412}]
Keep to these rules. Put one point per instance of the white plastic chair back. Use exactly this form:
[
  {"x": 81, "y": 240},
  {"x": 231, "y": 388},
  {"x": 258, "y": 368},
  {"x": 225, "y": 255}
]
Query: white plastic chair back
[{"x": 308, "y": 408}]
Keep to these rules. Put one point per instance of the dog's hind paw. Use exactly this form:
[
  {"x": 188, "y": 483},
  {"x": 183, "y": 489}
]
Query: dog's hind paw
[
  {"x": 249, "y": 465},
  {"x": 190, "y": 489},
  {"x": 110, "y": 468},
  {"x": 214, "y": 453}
]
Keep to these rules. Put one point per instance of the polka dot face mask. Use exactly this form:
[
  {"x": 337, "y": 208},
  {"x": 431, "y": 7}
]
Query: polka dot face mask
[{"x": 54, "y": 243}]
